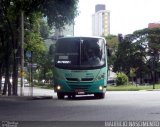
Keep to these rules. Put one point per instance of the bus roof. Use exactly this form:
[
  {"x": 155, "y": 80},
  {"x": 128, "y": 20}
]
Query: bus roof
[{"x": 82, "y": 37}]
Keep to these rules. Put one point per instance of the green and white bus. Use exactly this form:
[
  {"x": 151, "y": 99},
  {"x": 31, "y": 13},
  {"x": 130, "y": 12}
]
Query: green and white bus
[{"x": 80, "y": 66}]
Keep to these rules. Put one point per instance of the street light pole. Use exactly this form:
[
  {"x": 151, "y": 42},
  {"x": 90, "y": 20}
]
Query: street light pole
[{"x": 22, "y": 53}]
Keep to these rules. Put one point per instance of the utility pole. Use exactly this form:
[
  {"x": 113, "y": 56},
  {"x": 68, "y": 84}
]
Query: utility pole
[{"x": 22, "y": 54}]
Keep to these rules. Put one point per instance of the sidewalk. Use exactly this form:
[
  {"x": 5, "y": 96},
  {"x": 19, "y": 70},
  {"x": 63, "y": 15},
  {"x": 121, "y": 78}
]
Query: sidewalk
[
  {"x": 25, "y": 97},
  {"x": 31, "y": 94}
]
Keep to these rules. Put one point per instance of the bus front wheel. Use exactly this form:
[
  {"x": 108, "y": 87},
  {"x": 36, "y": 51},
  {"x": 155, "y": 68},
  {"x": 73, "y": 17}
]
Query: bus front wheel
[
  {"x": 99, "y": 95},
  {"x": 60, "y": 95}
]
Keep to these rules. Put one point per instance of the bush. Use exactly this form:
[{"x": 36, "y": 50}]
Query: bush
[{"x": 122, "y": 79}]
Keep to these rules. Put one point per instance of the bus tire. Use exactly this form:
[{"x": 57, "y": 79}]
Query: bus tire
[
  {"x": 99, "y": 95},
  {"x": 69, "y": 96},
  {"x": 102, "y": 95},
  {"x": 60, "y": 95},
  {"x": 72, "y": 96}
]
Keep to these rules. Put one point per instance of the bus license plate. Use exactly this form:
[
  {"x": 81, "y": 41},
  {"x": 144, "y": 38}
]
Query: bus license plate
[{"x": 79, "y": 91}]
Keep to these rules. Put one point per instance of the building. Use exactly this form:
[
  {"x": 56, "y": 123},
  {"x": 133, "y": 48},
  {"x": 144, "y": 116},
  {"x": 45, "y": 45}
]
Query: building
[
  {"x": 101, "y": 22},
  {"x": 154, "y": 25},
  {"x": 100, "y": 7},
  {"x": 67, "y": 30}
]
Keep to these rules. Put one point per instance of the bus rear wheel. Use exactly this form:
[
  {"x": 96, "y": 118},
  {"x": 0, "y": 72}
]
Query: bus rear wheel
[
  {"x": 60, "y": 95},
  {"x": 99, "y": 95}
]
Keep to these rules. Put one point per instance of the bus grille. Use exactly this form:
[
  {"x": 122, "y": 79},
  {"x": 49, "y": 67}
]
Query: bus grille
[
  {"x": 77, "y": 80},
  {"x": 72, "y": 79},
  {"x": 87, "y": 79},
  {"x": 82, "y": 87}
]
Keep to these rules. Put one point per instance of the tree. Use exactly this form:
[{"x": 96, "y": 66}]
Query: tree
[
  {"x": 123, "y": 53},
  {"x": 112, "y": 43},
  {"x": 44, "y": 29},
  {"x": 129, "y": 55},
  {"x": 140, "y": 51},
  {"x": 150, "y": 38},
  {"x": 58, "y": 12}
]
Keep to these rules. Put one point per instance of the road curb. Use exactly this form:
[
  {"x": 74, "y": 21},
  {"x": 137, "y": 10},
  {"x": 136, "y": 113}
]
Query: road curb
[
  {"x": 25, "y": 97},
  {"x": 151, "y": 90}
]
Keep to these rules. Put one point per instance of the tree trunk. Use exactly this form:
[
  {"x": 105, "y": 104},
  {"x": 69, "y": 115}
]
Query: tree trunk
[
  {"x": 7, "y": 76},
  {"x": 16, "y": 47},
  {"x": 7, "y": 84},
  {"x": 2, "y": 37},
  {"x": 0, "y": 78},
  {"x": 7, "y": 68},
  {"x": 15, "y": 60},
  {"x": 15, "y": 75}
]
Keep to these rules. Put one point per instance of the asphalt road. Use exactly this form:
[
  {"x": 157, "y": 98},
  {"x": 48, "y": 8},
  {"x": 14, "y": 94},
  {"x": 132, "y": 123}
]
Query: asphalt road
[{"x": 117, "y": 106}]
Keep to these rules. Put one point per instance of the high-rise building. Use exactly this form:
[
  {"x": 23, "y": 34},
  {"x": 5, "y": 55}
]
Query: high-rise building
[
  {"x": 100, "y": 7},
  {"x": 101, "y": 22}
]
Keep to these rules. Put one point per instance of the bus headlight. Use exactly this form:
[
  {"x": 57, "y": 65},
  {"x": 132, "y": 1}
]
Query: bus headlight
[
  {"x": 58, "y": 87},
  {"x": 100, "y": 87}
]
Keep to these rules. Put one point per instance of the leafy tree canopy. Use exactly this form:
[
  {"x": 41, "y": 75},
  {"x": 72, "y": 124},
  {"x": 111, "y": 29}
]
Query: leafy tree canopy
[
  {"x": 58, "y": 12},
  {"x": 139, "y": 51}
]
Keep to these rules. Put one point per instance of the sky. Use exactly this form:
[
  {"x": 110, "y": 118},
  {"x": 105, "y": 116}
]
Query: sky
[{"x": 126, "y": 16}]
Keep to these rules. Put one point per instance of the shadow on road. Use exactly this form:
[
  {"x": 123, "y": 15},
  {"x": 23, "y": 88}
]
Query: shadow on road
[{"x": 83, "y": 97}]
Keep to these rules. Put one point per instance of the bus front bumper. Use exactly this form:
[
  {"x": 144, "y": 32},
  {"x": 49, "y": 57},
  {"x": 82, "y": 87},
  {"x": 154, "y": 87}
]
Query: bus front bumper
[{"x": 80, "y": 88}]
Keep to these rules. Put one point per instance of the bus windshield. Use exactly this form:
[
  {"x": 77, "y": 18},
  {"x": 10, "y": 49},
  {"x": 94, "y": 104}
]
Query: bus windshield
[{"x": 80, "y": 53}]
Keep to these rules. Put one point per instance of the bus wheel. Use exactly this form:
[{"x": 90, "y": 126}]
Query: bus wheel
[
  {"x": 71, "y": 96},
  {"x": 102, "y": 95},
  {"x": 60, "y": 95},
  {"x": 99, "y": 95}
]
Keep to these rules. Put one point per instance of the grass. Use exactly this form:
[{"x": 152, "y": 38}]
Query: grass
[{"x": 131, "y": 87}]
